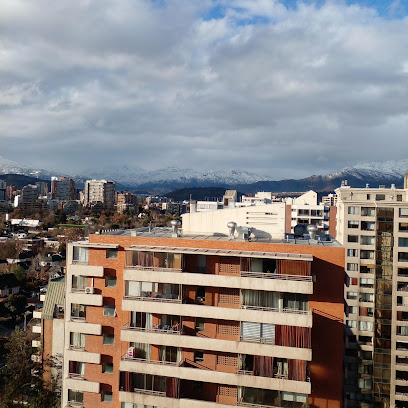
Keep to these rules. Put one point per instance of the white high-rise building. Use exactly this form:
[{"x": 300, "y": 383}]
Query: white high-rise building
[{"x": 99, "y": 191}]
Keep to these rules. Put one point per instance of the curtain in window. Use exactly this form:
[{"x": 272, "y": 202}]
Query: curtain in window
[
  {"x": 292, "y": 336},
  {"x": 172, "y": 387},
  {"x": 263, "y": 366},
  {"x": 297, "y": 370},
  {"x": 127, "y": 382},
  {"x": 78, "y": 339},
  {"x": 133, "y": 288}
]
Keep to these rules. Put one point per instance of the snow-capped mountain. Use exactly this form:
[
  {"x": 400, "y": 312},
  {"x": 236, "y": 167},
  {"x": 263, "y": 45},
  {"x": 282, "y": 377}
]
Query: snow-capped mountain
[
  {"x": 385, "y": 170},
  {"x": 137, "y": 177},
  {"x": 12, "y": 167}
]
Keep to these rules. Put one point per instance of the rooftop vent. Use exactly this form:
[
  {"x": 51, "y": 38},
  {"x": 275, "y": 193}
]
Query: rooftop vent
[
  {"x": 175, "y": 225},
  {"x": 231, "y": 228},
  {"x": 312, "y": 230}
]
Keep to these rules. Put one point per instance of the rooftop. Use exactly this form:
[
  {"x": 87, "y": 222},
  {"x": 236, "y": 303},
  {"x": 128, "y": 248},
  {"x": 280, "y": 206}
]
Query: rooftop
[{"x": 163, "y": 232}]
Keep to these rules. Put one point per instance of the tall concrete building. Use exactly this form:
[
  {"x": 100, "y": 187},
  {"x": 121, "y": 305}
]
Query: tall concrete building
[
  {"x": 162, "y": 318},
  {"x": 3, "y": 188},
  {"x": 63, "y": 188},
  {"x": 372, "y": 224},
  {"x": 102, "y": 191}
]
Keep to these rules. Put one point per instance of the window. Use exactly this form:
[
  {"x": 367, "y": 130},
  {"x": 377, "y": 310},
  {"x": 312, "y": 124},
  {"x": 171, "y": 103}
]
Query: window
[
  {"x": 353, "y": 309},
  {"x": 368, "y": 197},
  {"x": 366, "y": 283},
  {"x": 367, "y": 211},
  {"x": 367, "y": 297},
  {"x": 78, "y": 311},
  {"x": 199, "y": 356},
  {"x": 365, "y": 326},
  {"x": 403, "y": 242},
  {"x": 106, "y": 396},
  {"x": 352, "y": 295},
  {"x": 402, "y": 256},
  {"x": 353, "y": 267},
  {"x": 201, "y": 263},
  {"x": 366, "y": 254},
  {"x": 200, "y": 294},
  {"x": 403, "y": 226},
  {"x": 77, "y": 340},
  {"x": 108, "y": 339},
  {"x": 351, "y": 323},
  {"x": 80, "y": 255},
  {"x": 367, "y": 240},
  {"x": 403, "y": 212},
  {"x": 353, "y": 224},
  {"x": 352, "y": 252},
  {"x": 75, "y": 396},
  {"x": 112, "y": 253},
  {"x": 380, "y": 197},
  {"x": 352, "y": 238},
  {"x": 107, "y": 368},
  {"x": 367, "y": 226},
  {"x": 79, "y": 282},
  {"x": 399, "y": 197},
  {"x": 110, "y": 281},
  {"x": 109, "y": 310},
  {"x": 199, "y": 324},
  {"x": 353, "y": 210}
]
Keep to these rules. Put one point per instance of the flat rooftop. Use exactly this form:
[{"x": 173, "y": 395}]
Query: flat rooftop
[{"x": 163, "y": 232}]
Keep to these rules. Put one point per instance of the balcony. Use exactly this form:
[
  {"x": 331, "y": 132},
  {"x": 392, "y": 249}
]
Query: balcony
[
  {"x": 79, "y": 325},
  {"x": 189, "y": 370},
  {"x": 80, "y": 384},
  {"x": 36, "y": 343},
  {"x": 37, "y": 328},
  {"x": 179, "y": 339},
  {"x": 82, "y": 356},
  {"x": 83, "y": 298},
  {"x": 245, "y": 280},
  {"x": 37, "y": 314},
  {"x": 83, "y": 269},
  {"x": 287, "y": 317}
]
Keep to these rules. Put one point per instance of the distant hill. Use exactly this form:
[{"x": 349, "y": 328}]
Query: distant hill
[{"x": 20, "y": 180}]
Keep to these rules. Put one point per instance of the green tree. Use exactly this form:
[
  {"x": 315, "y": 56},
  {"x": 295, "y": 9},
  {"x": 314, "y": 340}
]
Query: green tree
[
  {"x": 19, "y": 272},
  {"x": 15, "y": 304}
]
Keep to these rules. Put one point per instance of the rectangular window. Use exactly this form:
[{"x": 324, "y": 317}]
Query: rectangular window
[
  {"x": 352, "y": 238},
  {"x": 353, "y": 210},
  {"x": 365, "y": 326},
  {"x": 80, "y": 255},
  {"x": 353, "y": 224},
  {"x": 403, "y": 242},
  {"x": 352, "y": 253},
  {"x": 78, "y": 311},
  {"x": 366, "y": 254},
  {"x": 109, "y": 310},
  {"x": 200, "y": 294},
  {"x": 403, "y": 212},
  {"x": 367, "y": 297},
  {"x": 77, "y": 340},
  {"x": 367, "y": 240},
  {"x": 199, "y": 324},
  {"x": 352, "y": 295},
  {"x": 353, "y": 267},
  {"x": 107, "y": 368},
  {"x": 367, "y": 211},
  {"x": 402, "y": 256},
  {"x": 79, "y": 282},
  {"x": 353, "y": 309},
  {"x": 367, "y": 226},
  {"x": 403, "y": 226},
  {"x": 351, "y": 323},
  {"x": 380, "y": 197},
  {"x": 110, "y": 281},
  {"x": 399, "y": 197},
  {"x": 112, "y": 253},
  {"x": 199, "y": 356},
  {"x": 106, "y": 396},
  {"x": 108, "y": 339}
]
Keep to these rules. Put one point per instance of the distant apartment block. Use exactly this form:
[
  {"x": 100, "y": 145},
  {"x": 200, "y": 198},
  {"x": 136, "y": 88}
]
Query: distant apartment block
[
  {"x": 99, "y": 191},
  {"x": 63, "y": 188},
  {"x": 3, "y": 190},
  {"x": 125, "y": 202},
  {"x": 42, "y": 188},
  {"x": 372, "y": 224}
]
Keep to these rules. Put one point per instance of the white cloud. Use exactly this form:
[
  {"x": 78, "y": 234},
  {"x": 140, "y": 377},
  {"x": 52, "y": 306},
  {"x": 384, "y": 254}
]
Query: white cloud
[{"x": 283, "y": 91}]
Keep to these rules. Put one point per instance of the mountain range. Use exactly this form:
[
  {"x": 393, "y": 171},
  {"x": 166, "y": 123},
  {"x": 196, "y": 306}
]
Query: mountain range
[{"x": 171, "y": 178}]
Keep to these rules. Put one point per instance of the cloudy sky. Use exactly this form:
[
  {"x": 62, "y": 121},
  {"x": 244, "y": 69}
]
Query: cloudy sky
[{"x": 283, "y": 88}]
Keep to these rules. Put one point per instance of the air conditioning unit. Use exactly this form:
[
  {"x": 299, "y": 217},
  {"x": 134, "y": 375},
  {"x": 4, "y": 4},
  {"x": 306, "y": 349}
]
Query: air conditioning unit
[{"x": 89, "y": 289}]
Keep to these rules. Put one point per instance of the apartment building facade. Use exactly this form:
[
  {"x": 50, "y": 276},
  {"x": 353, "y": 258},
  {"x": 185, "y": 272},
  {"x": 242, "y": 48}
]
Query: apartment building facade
[
  {"x": 159, "y": 320},
  {"x": 63, "y": 188},
  {"x": 372, "y": 224},
  {"x": 99, "y": 191}
]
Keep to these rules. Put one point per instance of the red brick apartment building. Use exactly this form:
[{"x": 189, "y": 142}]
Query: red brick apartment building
[{"x": 154, "y": 320}]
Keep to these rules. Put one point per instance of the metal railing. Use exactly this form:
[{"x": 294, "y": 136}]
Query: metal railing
[
  {"x": 265, "y": 275},
  {"x": 144, "y": 360},
  {"x": 153, "y": 268},
  {"x": 171, "y": 330},
  {"x": 76, "y": 376},
  {"x": 277, "y": 310},
  {"x": 153, "y": 299}
]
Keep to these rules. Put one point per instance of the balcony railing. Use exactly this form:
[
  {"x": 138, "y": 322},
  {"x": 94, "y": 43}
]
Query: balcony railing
[
  {"x": 153, "y": 299},
  {"x": 127, "y": 357},
  {"x": 167, "y": 329},
  {"x": 76, "y": 376},
  {"x": 276, "y": 309}
]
